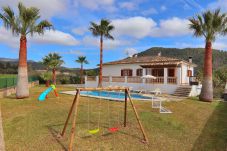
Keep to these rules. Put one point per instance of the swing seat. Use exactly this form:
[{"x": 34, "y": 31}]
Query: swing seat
[
  {"x": 113, "y": 129},
  {"x": 94, "y": 131}
]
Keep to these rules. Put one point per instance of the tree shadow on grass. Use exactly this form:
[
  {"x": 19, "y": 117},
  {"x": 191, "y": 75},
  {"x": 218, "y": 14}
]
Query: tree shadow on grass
[
  {"x": 56, "y": 134},
  {"x": 214, "y": 134}
]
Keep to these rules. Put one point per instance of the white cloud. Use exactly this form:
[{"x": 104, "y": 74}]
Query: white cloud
[
  {"x": 137, "y": 27},
  {"x": 140, "y": 27},
  {"x": 127, "y": 5},
  {"x": 130, "y": 52},
  {"x": 107, "y": 5},
  {"x": 107, "y": 44},
  {"x": 218, "y": 4},
  {"x": 47, "y": 8},
  {"x": 49, "y": 37},
  {"x": 149, "y": 11},
  {"x": 55, "y": 37},
  {"x": 171, "y": 27},
  {"x": 72, "y": 52},
  {"x": 80, "y": 30}
]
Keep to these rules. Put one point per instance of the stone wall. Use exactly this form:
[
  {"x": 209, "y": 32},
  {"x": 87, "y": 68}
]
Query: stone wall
[{"x": 10, "y": 90}]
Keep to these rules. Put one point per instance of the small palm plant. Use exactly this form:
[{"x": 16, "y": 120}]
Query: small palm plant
[
  {"x": 208, "y": 25},
  {"x": 53, "y": 61},
  {"x": 21, "y": 25},
  {"x": 103, "y": 30},
  {"x": 82, "y": 60},
  {"x": 46, "y": 76}
]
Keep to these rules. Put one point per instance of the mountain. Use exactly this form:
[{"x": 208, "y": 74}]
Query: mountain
[{"x": 197, "y": 54}]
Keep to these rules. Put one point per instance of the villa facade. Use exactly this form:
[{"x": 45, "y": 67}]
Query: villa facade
[{"x": 170, "y": 73}]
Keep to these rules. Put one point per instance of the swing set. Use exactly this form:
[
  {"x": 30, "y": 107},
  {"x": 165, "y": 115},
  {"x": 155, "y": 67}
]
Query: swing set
[{"x": 113, "y": 129}]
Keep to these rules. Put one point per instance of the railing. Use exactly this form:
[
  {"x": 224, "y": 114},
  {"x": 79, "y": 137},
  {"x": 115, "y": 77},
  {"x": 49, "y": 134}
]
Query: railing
[
  {"x": 158, "y": 80},
  {"x": 118, "y": 79},
  {"x": 106, "y": 79},
  {"x": 172, "y": 80},
  {"x": 91, "y": 78},
  {"x": 135, "y": 80}
]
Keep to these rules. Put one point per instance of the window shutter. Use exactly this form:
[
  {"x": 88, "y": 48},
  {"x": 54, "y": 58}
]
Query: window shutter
[
  {"x": 122, "y": 72},
  {"x": 130, "y": 72}
]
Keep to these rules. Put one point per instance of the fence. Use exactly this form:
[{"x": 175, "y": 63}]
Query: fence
[{"x": 12, "y": 81}]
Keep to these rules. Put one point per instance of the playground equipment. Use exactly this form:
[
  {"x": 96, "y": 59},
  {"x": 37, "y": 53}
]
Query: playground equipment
[
  {"x": 75, "y": 105},
  {"x": 43, "y": 95}
]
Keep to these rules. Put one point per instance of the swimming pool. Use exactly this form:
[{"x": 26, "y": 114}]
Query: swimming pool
[{"x": 112, "y": 95}]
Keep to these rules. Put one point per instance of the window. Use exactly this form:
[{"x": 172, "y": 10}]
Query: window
[
  {"x": 139, "y": 72},
  {"x": 126, "y": 72},
  {"x": 171, "y": 72},
  {"x": 158, "y": 72},
  {"x": 189, "y": 73}
]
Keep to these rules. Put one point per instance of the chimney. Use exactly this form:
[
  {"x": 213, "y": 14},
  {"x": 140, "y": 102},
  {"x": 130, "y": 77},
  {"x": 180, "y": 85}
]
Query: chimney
[
  {"x": 135, "y": 56},
  {"x": 159, "y": 54},
  {"x": 190, "y": 59}
]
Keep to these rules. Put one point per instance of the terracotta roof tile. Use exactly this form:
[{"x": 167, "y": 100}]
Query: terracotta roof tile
[{"x": 149, "y": 60}]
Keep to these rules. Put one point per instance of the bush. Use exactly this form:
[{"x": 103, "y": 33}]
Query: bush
[{"x": 67, "y": 79}]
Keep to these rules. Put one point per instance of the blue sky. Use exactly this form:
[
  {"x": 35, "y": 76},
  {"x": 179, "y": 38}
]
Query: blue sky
[{"x": 139, "y": 25}]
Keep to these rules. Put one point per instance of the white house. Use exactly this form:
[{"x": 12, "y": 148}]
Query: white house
[{"x": 170, "y": 73}]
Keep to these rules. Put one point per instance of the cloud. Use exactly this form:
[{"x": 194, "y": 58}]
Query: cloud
[
  {"x": 47, "y": 8},
  {"x": 107, "y": 44},
  {"x": 72, "y": 52},
  {"x": 107, "y": 5},
  {"x": 55, "y": 37},
  {"x": 140, "y": 27},
  {"x": 218, "y": 4},
  {"x": 149, "y": 11},
  {"x": 137, "y": 27},
  {"x": 49, "y": 37},
  {"x": 80, "y": 30},
  {"x": 127, "y": 5},
  {"x": 171, "y": 27},
  {"x": 130, "y": 52}
]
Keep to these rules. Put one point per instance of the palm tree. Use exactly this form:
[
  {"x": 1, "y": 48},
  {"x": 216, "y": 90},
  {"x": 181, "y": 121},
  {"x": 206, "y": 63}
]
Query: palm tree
[
  {"x": 81, "y": 60},
  {"x": 103, "y": 30},
  {"x": 46, "y": 76},
  {"x": 208, "y": 25},
  {"x": 53, "y": 61},
  {"x": 23, "y": 24}
]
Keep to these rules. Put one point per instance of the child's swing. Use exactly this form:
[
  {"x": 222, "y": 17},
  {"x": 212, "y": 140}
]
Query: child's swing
[
  {"x": 115, "y": 128},
  {"x": 93, "y": 131}
]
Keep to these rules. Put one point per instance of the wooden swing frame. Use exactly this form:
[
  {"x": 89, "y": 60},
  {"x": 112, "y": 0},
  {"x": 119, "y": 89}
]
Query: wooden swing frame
[{"x": 75, "y": 104}]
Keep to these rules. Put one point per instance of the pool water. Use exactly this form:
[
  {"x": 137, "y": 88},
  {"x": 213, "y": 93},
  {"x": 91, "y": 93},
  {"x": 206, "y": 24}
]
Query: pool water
[{"x": 113, "y": 95}]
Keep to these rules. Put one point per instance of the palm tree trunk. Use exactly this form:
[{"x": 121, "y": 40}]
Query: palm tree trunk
[
  {"x": 207, "y": 84},
  {"x": 81, "y": 74},
  {"x": 22, "y": 90},
  {"x": 54, "y": 76},
  {"x": 100, "y": 65}
]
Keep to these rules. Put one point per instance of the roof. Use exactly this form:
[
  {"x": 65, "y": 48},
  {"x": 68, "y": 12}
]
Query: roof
[{"x": 150, "y": 60}]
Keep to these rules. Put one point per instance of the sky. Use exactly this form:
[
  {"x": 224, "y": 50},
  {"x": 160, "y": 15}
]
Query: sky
[{"x": 139, "y": 25}]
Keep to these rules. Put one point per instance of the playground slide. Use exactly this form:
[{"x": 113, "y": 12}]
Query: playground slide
[{"x": 43, "y": 95}]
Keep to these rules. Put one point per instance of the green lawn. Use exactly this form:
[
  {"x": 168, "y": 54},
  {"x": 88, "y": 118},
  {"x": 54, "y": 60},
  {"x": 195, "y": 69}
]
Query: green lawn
[
  {"x": 7, "y": 75},
  {"x": 31, "y": 125}
]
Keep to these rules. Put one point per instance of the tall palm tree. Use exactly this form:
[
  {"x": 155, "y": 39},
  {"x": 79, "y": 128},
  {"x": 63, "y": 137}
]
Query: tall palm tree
[
  {"x": 82, "y": 60},
  {"x": 21, "y": 25},
  {"x": 208, "y": 25},
  {"x": 53, "y": 61},
  {"x": 103, "y": 30}
]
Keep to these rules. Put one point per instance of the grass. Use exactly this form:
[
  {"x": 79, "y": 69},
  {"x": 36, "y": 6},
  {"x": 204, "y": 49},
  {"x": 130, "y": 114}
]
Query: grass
[
  {"x": 7, "y": 75},
  {"x": 193, "y": 125}
]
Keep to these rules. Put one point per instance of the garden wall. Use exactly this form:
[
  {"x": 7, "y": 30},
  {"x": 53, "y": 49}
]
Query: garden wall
[{"x": 11, "y": 90}]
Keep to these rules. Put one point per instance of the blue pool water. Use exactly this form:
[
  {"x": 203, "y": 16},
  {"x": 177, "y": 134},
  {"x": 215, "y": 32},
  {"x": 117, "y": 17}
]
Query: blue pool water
[{"x": 113, "y": 95}]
